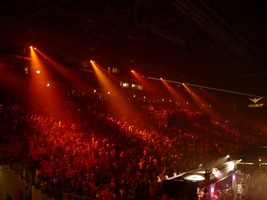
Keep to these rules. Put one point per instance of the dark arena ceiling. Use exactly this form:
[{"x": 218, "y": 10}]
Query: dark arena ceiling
[{"x": 219, "y": 44}]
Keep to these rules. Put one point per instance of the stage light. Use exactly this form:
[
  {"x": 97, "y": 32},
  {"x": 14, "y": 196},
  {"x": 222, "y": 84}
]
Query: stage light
[
  {"x": 212, "y": 190},
  {"x": 216, "y": 172},
  {"x": 233, "y": 177},
  {"x": 31, "y": 47},
  {"x": 38, "y": 71},
  {"x": 194, "y": 177},
  {"x": 230, "y": 166},
  {"x": 26, "y": 70}
]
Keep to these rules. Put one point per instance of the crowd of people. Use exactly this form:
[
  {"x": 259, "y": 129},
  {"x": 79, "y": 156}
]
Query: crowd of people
[{"x": 86, "y": 151}]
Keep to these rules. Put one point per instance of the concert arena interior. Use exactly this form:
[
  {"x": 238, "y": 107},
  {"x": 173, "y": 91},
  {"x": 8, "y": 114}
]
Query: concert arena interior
[{"x": 133, "y": 100}]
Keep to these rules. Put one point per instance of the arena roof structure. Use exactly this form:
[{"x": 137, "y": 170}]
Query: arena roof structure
[{"x": 210, "y": 43}]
